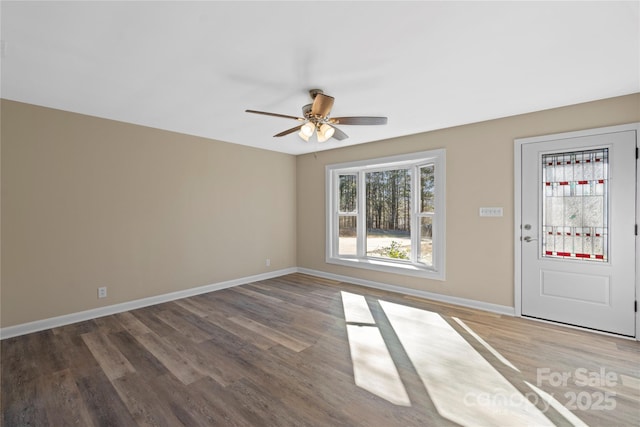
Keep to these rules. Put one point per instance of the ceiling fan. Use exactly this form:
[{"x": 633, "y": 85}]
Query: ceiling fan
[{"x": 317, "y": 121}]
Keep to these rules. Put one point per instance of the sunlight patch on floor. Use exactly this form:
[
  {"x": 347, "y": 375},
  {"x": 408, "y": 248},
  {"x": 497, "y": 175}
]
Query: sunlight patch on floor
[
  {"x": 373, "y": 366},
  {"x": 356, "y": 309},
  {"x": 551, "y": 401},
  {"x": 485, "y": 344},
  {"x": 463, "y": 386}
]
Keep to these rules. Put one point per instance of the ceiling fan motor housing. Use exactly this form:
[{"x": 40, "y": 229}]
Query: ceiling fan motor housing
[
  {"x": 314, "y": 92},
  {"x": 306, "y": 110}
]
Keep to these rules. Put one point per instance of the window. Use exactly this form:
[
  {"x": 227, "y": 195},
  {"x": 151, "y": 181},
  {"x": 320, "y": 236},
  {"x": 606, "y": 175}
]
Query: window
[{"x": 387, "y": 214}]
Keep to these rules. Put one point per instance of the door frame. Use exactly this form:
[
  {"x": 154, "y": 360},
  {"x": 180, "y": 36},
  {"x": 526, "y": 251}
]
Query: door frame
[{"x": 517, "y": 205}]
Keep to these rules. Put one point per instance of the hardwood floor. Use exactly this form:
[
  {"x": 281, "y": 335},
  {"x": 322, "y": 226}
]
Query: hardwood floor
[{"x": 303, "y": 351}]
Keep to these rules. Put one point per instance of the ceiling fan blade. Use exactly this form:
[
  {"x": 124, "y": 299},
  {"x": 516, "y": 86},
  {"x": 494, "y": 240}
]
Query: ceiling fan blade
[
  {"x": 338, "y": 134},
  {"x": 322, "y": 105},
  {"x": 359, "y": 120},
  {"x": 276, "y": 115},
  {"x": 288, "y": 131}
]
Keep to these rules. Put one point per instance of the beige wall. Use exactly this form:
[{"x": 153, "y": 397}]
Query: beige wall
[
  {"x": 479, "y": 169},
  {"x": 88, "y": 202}
]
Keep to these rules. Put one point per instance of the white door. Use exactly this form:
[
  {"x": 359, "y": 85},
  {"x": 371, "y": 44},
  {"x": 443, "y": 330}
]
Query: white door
[{"x": 578, "y": 231}]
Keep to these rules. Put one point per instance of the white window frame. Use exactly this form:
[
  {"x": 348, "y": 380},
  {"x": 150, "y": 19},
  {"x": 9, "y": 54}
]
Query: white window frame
[{"x": 359, "y": 168}]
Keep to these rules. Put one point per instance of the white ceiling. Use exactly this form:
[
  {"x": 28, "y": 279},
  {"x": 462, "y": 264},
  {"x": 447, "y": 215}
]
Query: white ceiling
[{"x": 194, "y": 67}]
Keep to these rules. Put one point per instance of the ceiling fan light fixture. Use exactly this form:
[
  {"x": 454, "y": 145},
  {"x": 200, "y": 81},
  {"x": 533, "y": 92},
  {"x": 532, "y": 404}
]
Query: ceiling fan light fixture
[
  {"x": 325, "y": 132},
  {"x": 307, "y": 129},
  {"x": 302, "y": 135}
]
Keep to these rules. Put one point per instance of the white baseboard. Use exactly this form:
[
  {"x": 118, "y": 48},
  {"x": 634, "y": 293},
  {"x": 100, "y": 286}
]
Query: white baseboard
[
  {"x": 480, "y": 305},
  {"x": 67, "y": 319},
  {"x": 54, "y": 322}
]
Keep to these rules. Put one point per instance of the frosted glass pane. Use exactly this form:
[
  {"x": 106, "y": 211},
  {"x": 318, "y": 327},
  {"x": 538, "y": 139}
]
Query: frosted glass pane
[
  {"x": 567, "y": 240},
  {"x": 573, "y": 211},
  {"x": 578, "y": 244},
  {"x": 593, "y": 211},
  {"x": 588, "y": 172},
  {"x": 568, "y": 171},
  {"x": 598, "y": 247},
  {"x": 555, "y": 211}
]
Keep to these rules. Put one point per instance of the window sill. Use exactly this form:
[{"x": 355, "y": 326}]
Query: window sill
[{"x": 389, "y": 267}]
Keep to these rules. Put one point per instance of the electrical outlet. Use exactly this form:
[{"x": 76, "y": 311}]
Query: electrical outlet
[
  {"x": 490, "y": 211},
  {"x": 102, "y": 292},
  {"x": 267, "y": 262}
]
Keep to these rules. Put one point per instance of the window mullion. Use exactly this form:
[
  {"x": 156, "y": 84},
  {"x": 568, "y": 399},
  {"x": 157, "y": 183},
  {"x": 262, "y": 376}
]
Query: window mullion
[
  {"x": 415, "y": 217},
  {"x": 438, "y": 207},
  {"x": 361, "y": 222},
  {"x": 336, "y": 214}
]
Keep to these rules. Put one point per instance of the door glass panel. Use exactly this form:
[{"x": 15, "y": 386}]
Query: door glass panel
[{"x": 574, "y": 208}]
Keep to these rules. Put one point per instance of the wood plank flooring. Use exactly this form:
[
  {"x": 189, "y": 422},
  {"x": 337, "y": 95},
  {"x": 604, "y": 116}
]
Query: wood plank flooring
[{"x": 279, "y": 353}]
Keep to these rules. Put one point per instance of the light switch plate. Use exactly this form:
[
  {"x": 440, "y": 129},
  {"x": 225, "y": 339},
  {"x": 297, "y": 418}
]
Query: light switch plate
[{"x": 491, "y": 211}]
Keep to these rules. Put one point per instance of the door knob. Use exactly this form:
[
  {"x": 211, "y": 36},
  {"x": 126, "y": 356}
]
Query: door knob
[{"x": 528, "y": 239}]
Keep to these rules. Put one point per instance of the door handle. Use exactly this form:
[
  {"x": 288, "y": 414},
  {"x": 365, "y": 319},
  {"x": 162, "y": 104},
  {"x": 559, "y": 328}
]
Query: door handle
[{"x": 528, "y": 239}]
